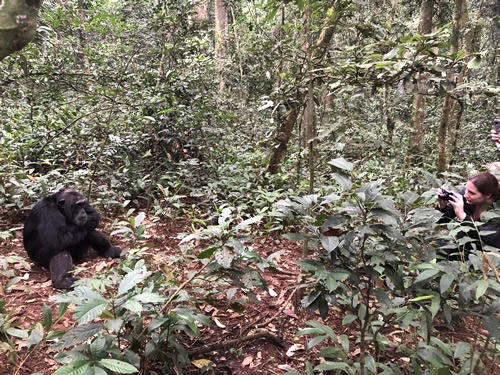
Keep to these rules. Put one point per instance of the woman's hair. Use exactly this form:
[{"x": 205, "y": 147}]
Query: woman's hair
[{"x": 486, "y": 183}]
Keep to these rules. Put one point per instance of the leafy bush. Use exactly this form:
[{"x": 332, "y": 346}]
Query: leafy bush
[
  {"x": 370, "y": 265},
  {"x": 133, "y": 326}
]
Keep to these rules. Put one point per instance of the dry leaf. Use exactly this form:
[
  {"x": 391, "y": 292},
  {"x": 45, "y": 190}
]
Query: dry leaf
[
  {"x": 290, "y": 313},
  {"x": 292, "y": 350},
  {"x": 218, "y": 323},
  {"x": 247, "y": 360},
  {"x": 200, "y": 363}
]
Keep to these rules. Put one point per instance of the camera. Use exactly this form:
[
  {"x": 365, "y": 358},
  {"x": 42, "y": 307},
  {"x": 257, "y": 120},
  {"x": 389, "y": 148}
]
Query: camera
[
  {"x": 445, "y": 195},
  {"x": 496, "y": 125}
]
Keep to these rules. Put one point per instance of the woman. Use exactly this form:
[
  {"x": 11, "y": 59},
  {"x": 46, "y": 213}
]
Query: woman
[{"x": 481, "y": 190}]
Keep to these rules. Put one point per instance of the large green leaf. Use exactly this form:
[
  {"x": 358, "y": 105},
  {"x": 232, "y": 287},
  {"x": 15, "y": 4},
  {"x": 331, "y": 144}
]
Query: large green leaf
[
  {"x": 130, "y": 280},
  {"x": 87, "y": 312},
  {"x": 149, "y": 298},
  {"x": 341, "y": 163},
  {"x": 118, "y": 366},
  {"x": 79, "y": 334},
  {"x": 73, "y": 368}
]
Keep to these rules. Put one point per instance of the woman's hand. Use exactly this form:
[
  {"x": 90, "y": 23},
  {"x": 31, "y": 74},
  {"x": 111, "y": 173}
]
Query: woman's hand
[
  {"x": 441, "y": 202},
  {"x": 495, "y": 137},
  {"x": 457, "y": 202}
]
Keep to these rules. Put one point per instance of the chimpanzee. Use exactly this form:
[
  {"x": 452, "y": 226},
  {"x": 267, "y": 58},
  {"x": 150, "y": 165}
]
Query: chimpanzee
[{"x": 58, "y": 231}]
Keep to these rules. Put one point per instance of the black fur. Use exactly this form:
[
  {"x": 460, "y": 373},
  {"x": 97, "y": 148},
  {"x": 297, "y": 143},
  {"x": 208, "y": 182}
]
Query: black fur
[{"x": 59, "y": 230}]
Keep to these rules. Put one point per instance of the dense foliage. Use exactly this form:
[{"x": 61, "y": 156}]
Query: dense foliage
[{"x": 137, "y": 104}]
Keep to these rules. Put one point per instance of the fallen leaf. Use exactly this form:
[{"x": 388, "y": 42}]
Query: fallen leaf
[
  {"x": 218, "y": 323},
  {"x": 200, "y": 363},
  {"x": 290, "y": 313},
  {"x": 292, "y": 350},
  {"x": 246, "y": 361}
]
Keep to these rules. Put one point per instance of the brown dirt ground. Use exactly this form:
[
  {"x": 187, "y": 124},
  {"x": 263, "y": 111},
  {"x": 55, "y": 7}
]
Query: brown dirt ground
[{"x": 278, "y": 313}]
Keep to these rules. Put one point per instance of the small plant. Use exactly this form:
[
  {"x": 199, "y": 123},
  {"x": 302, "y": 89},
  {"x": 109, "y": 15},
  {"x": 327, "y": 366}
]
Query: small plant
[
  {"x": 134, "y": 228},
  {"x": 132, "y": 329},
  {"x": 227, "y": 256}
]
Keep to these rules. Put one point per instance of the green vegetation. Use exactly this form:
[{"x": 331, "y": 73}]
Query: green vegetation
[{"x": 330, "y": 123}]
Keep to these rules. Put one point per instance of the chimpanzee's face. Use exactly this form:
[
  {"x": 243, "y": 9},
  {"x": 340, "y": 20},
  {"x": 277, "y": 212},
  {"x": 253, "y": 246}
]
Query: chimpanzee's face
[{"x": 72, "y": 205}]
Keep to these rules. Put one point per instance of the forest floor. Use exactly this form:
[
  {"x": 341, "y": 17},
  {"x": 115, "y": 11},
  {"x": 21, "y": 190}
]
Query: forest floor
[{"x": 278, "y": 313}]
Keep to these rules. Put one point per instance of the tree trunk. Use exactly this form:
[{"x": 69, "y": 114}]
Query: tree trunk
[
  {"x": 310, "y": 108},
  {"x": 284, "y": 133},
  {"x": 18, "y": 19},
  {"x": 82, "y": 36},
  {"x": 287, "y": 123},
  {"x": 452, "y": 108},
  {"x": 418, "y": 107},
  {"x": 221, "y": 36}
]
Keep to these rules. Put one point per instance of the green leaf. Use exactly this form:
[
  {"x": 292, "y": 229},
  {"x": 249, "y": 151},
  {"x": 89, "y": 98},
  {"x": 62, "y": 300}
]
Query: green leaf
[
  {"x": 224, "y": 257},
  {"x": 343, "y": 180},
  {"x": 426, "y": 275},
  {"x": 482, "y": 287},
  {"x": 461, "y": 350},
  {"x": 130, "y": 280},
  {"x": 492, "y": 324},
  {"x": 247, "y": 223},
  {"x": 344, "y": 341},
  {"x": 445, "y": 282},
  {"x": 97, "y": 345},
  {"x": 370, "y": 364},
  {"x": 87, "y": 312},
  {"x": 47, "y": 317},
  {"x": 435, "y": 304},
  {"x": 324, "y": 328},
  {"x": 94, "y": 370},
  {"x": 362, "y": 311},
  {"x": 149, "y": 298},
  {"x": 329, "y": 243},
  {"x": 73, "y": 368},
  {"x": 420, "y": 298},
  {"x": 78, "y": 334},
  {"x": 445, "y": 348},
  {"x": 349, "y": 318},
  {"x": 309, "y": 368},
  {"x": 20, "y": 333},
  {"x": 133, "y": 306},
  {"x": 315, "y": 341},
  {"x": 329, "y": 366},
  {"x": 309, "y": 331},
  {"x": 36, "y": 335},
  {"x": 309, "y": 265},
  {"x": 118, "y": 366},
  {"x": 207, "y": 253}
]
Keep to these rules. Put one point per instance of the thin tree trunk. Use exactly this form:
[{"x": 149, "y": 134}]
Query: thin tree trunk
[
  {"x": 418, "y": 107},
  {"x": 452, "y": 109},
  {"x": 287, "y": 122},
  {"x": 82, "y": 37},
  {"x": 457, "y": 107},
  {"x": 284, "y": 134},
  {"x": 310, "y": 108},
  {"x": 221, "y": 37}
]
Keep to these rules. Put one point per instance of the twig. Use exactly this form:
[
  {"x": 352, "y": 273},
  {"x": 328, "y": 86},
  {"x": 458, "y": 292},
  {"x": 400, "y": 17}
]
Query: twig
[{"x": 275, "y": 340}]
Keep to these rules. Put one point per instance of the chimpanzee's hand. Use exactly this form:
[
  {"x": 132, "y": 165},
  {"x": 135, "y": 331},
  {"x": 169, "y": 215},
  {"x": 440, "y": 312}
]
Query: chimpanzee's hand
[{"x": 112, "y": 252}]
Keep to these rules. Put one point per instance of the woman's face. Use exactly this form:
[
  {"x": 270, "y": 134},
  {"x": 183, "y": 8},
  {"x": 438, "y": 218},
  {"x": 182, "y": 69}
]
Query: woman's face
[{"x": 473, "y": 196}]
